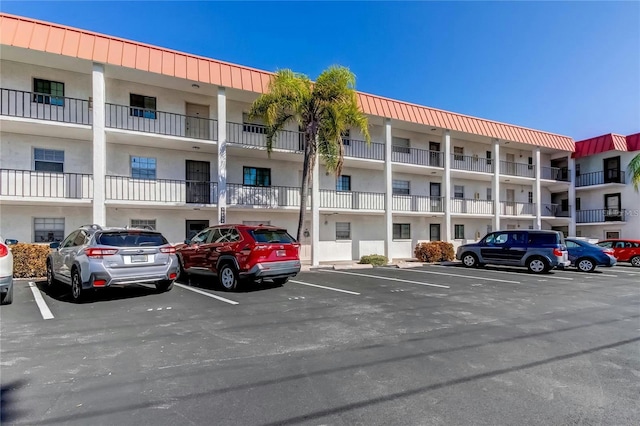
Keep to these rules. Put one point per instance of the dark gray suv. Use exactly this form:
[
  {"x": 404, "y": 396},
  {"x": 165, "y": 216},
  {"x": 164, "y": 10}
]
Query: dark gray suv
[
  {"x": 93, "y": 257},
  {"x": 539, "y": 251}
]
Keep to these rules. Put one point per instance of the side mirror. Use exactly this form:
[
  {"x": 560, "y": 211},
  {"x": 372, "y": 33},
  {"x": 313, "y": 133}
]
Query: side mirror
[
  {"x": 187, "y": 241},
  {"x": 10, "y": 242},
  {"x": 54, "y": 245}
]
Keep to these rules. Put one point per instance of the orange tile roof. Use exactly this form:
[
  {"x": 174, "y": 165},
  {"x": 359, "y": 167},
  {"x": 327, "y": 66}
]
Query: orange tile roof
[{"x": 62, "y": 40}]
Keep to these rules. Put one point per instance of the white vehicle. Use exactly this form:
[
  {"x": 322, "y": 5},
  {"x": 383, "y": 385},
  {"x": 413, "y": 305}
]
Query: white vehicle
[{"x": 6, "y": 273}]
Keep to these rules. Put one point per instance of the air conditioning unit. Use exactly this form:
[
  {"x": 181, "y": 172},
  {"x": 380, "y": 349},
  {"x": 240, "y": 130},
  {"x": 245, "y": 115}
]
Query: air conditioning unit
[
  {"x": 475, "y": 157},
  {"x": 476, "y": 196}
]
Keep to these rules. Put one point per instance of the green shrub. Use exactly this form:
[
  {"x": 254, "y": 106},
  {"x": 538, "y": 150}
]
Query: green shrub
[
  {"x": 29, "y": 260},
  {"x": 374, "y": 259},
  {"x": 434, "y": 251}
]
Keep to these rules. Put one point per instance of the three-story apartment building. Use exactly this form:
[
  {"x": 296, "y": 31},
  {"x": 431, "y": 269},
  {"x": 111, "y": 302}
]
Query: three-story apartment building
[{"x": 97, "y": 129}]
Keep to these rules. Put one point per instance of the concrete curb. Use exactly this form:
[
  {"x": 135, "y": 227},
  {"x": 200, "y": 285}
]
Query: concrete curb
[{"x": 353, "y": 266}]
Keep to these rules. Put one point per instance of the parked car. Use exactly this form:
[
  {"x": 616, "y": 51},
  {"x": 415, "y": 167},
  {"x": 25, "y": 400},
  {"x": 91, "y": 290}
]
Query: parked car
[
  {"x": 92, "y": 257},
  {"x": 623, "y": 250},
  {"x": 6, "y": 273},
  {"x": 586, "y": 256},
  {"x": 241, "y": 252},
  {"x": 539, "y": 251}
]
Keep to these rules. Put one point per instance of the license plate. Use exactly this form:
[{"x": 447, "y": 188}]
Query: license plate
[
  {"x": 138, "y": 258},
  {"x": 280, "y": 253}
]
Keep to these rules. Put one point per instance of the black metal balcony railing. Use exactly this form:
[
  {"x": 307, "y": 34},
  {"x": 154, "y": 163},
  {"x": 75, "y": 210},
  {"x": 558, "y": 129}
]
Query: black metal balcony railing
[
  {"x": 421, "y": 157},
  {"x": 29, "y": 183},
  {"x": 351, "y": 200},
  {"x": 517, "y": 169},
  {"x": 124, "y": 188},
  {"x": 514, "y": 208},
  {"x": 471, "y": 206},
  {"x": 16, "y": 103},
  {"x": 555, "y": 173},
  {"x": 160, "y": 122},
  {"x": 417, "y": 203},
  {"x": 255, "y": 135},
  {"x": 471, "y": 163},
  {"x": 600, "y": 178},
  {"x": 360, "y": 149},
  {"x": 601, "y": 215},
  {"x": 555, "y": 210},
  {"x": 264, "y": 196}
]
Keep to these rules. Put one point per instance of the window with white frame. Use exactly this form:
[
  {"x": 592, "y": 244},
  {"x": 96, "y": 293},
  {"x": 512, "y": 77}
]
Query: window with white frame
[
  {"x": 401, "y": 187},
  {"x": 458, "y": 191},
  {"x": 143, "y": 168},
  {"x": 343, "y": 183},
  {"x": 142, "y": 106},
  {"x": 400, "y": 145},
  {"x": 48, "y": 229},
  {"x": 253, "y": 125},
  {"x": 530, "y": 197},
  {"x": 48, "y": 92},
  {"x": 256, "y": 176},
  {"x": 401, "y": 231},
  {"x": 458, "y": 153},
  {"x": 458, "y": 231},
  {"x": 143, "y": 223},
  {"x": 48, "y": 160},
  {"x": 343, "y": 230}
]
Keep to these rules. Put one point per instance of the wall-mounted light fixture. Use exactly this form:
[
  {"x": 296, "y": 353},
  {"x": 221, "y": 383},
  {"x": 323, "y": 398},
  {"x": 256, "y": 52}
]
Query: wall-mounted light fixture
[{"x": 195, "y": 85}]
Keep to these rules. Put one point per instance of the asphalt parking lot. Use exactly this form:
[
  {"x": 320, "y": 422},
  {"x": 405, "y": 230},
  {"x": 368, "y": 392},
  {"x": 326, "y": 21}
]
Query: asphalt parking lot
[{"x": 435, "y": 345}]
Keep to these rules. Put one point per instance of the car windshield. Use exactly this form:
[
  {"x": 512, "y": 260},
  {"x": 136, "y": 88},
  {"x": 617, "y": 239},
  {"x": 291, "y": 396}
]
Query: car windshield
[
  {"x": 131, "y": 239},
  {"x": 271, "y": 236}
]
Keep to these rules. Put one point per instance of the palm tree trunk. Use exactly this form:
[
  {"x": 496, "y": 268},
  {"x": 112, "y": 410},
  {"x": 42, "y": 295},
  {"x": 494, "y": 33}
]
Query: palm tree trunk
[{"x": 304, "y": 188}]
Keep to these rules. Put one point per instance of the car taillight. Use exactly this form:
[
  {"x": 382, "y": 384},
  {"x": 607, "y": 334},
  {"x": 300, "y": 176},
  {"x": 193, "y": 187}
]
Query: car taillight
[
  {"x": 557, "y": 252},
  {"x": 4, "y": 250},
  {"x": 98, "y": 253},
  {"x": 260, "y": 248},
  {"x": 170, "y": 250}
]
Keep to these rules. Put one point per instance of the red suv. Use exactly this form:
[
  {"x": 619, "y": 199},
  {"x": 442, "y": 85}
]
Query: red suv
[
  {"x": 624, "y": 250},
  {"x": 237, "y": 252}
]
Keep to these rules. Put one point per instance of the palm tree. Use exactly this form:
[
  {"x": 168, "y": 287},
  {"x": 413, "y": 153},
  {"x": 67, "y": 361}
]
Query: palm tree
[
  {"x": 634, "y": 171},
  {"x": 323, "y": 110}
]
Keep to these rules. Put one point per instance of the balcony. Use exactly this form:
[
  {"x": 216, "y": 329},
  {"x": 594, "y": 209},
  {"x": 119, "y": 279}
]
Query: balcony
[
  {"x": 351, "y": 200},
  {"x": 600, "y": 178},
  {"x": 176, "y": 192},
  {"x": 514, "y": 208},
  {"x": 555, "y": 210},
  {"x": 35, "y": 184},
  {"x": 601, "y": 215},
  {"x": 561, "y": 174},
  {"x": 419, "y": 157},
  {"x": 361, "y": 149},
  {"x": 417, "y": 203},
  {"x": 254, "y": 135},
  {"x": 471, "y": 206},
  {"x": 263, "y": 196},
  {"x": 16, "y": 103},
  {"x": 517, "y": 169},
  {"x": 471, "y": 163},
  {"x": 158, "y": 122}
]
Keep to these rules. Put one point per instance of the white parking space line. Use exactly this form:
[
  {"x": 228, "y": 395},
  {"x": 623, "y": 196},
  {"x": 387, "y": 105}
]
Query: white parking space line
[
  {"x": 204, "y": 293},
  {"x": 42, "y": 305},
  {"x": 326, "y": 288},
  {"x": 461, "y": 276},
  {"x": 499, "y": 271},
  {"x": 386, "y": 278}
]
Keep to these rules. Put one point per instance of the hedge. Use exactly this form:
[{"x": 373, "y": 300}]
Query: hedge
[
  {"x": 434, "y": 251},
  {"x": 374, "y": 259},
  {"x": 29, "y": 260}
]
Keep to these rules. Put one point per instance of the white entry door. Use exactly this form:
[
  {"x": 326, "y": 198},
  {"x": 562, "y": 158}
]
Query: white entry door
[
  {"x": 197, "y": 122},
  {"x": 510, "y": 205}
]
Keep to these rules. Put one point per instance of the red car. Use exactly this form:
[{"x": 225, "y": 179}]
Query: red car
[
  {"x": 624, "y": 250},
  {"x": 240, "y": 252}
]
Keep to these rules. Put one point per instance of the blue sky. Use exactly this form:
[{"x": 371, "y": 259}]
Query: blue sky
[{"x": 571, "y": 68}]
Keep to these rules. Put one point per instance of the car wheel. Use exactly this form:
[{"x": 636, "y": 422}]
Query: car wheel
[
  {"x": 8, "y": 297},
  {"x": 228, "y": 277},
  {"x": 280, "y": 281},
  {"x": 77, "y": 292},
  {"x": 635, "y": 261},
  {"x": 183, "y": 276},
  {"x": 585, "y": 264},
  {"x": 469, "y": 260},
  {"x": 164, "y": 285},
  {"x": 51, "y": 281},
  {"x": 537, "y": 265}
]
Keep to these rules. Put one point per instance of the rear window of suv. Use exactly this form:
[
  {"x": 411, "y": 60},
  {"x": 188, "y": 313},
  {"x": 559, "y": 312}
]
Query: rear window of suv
[
  {"x": 131, "y": 239},
  {"x": 543, "y": 238},
  {"x": 271, "y": 236}
]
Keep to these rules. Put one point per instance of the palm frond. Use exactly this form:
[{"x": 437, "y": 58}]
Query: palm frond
[{"x": 634, "y": 171}]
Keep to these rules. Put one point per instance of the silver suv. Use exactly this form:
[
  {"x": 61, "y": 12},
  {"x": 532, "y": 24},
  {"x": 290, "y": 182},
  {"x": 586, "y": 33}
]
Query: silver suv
[{"x": 94, "y": 257}]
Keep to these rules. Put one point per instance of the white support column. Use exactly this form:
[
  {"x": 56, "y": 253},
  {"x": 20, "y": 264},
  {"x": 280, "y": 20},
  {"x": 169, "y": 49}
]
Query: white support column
[
  {"x": 99, "y": 145},
  {"x": 537, "y": 196},
  {"x": 315, "y": 212},
  {"x": 222, "y": 156},
  {"x": 495, "y": 187},
  {"x": 388, "y": 200},
  {"x": 446, "y": 181},
  {"x": 572, "y": 196}
]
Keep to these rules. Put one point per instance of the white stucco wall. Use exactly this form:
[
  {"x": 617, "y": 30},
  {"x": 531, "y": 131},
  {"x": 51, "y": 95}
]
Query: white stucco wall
[
  {"x": 17, "y": 221},
  {"x": 16, "y": 152}
]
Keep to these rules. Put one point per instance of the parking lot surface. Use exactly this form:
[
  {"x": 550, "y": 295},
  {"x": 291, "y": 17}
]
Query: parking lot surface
[{"x": 435, "y": 345}]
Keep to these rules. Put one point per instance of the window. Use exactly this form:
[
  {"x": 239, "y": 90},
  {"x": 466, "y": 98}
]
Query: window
[
  {"x": 401, "y": 231},
  {"x": 530, "y": 197},
  {"x": 142, "y": 106},
  {"x": 578, "y": 204},
  {"x": 143, "y": 168},
  {"x": 577, "y": 170},
  {"x": 255, "y": 176},
  {"x": 564, "y": 205},
  {"x": 458, "y": 153},
  {"x": 346, "y": 137},
  {"x": 48, "y": 92},
  {"x": 48, "y": 229},
  {"x": 434, "y": 232},
  {"x": 458, "y": 231},
  {"x": 143, "y": 223},
  {"x": 458, "y": 191},
  {"x": 343, "y": 230},
  {"x": 253, "y": 125},
  {"x": 489, "y": 194},
  {"x": 537, "y": 238},
  {"x": 401, "y": 187},
  {"x": 400, "y": 145},
  {"x": 488, "y": 155},
  {"x": 48, "y": 160},
  {"x": 267, "y": 236},
  {"x": 530, "y": 163},
  {"x": 343, "y": 183}
]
